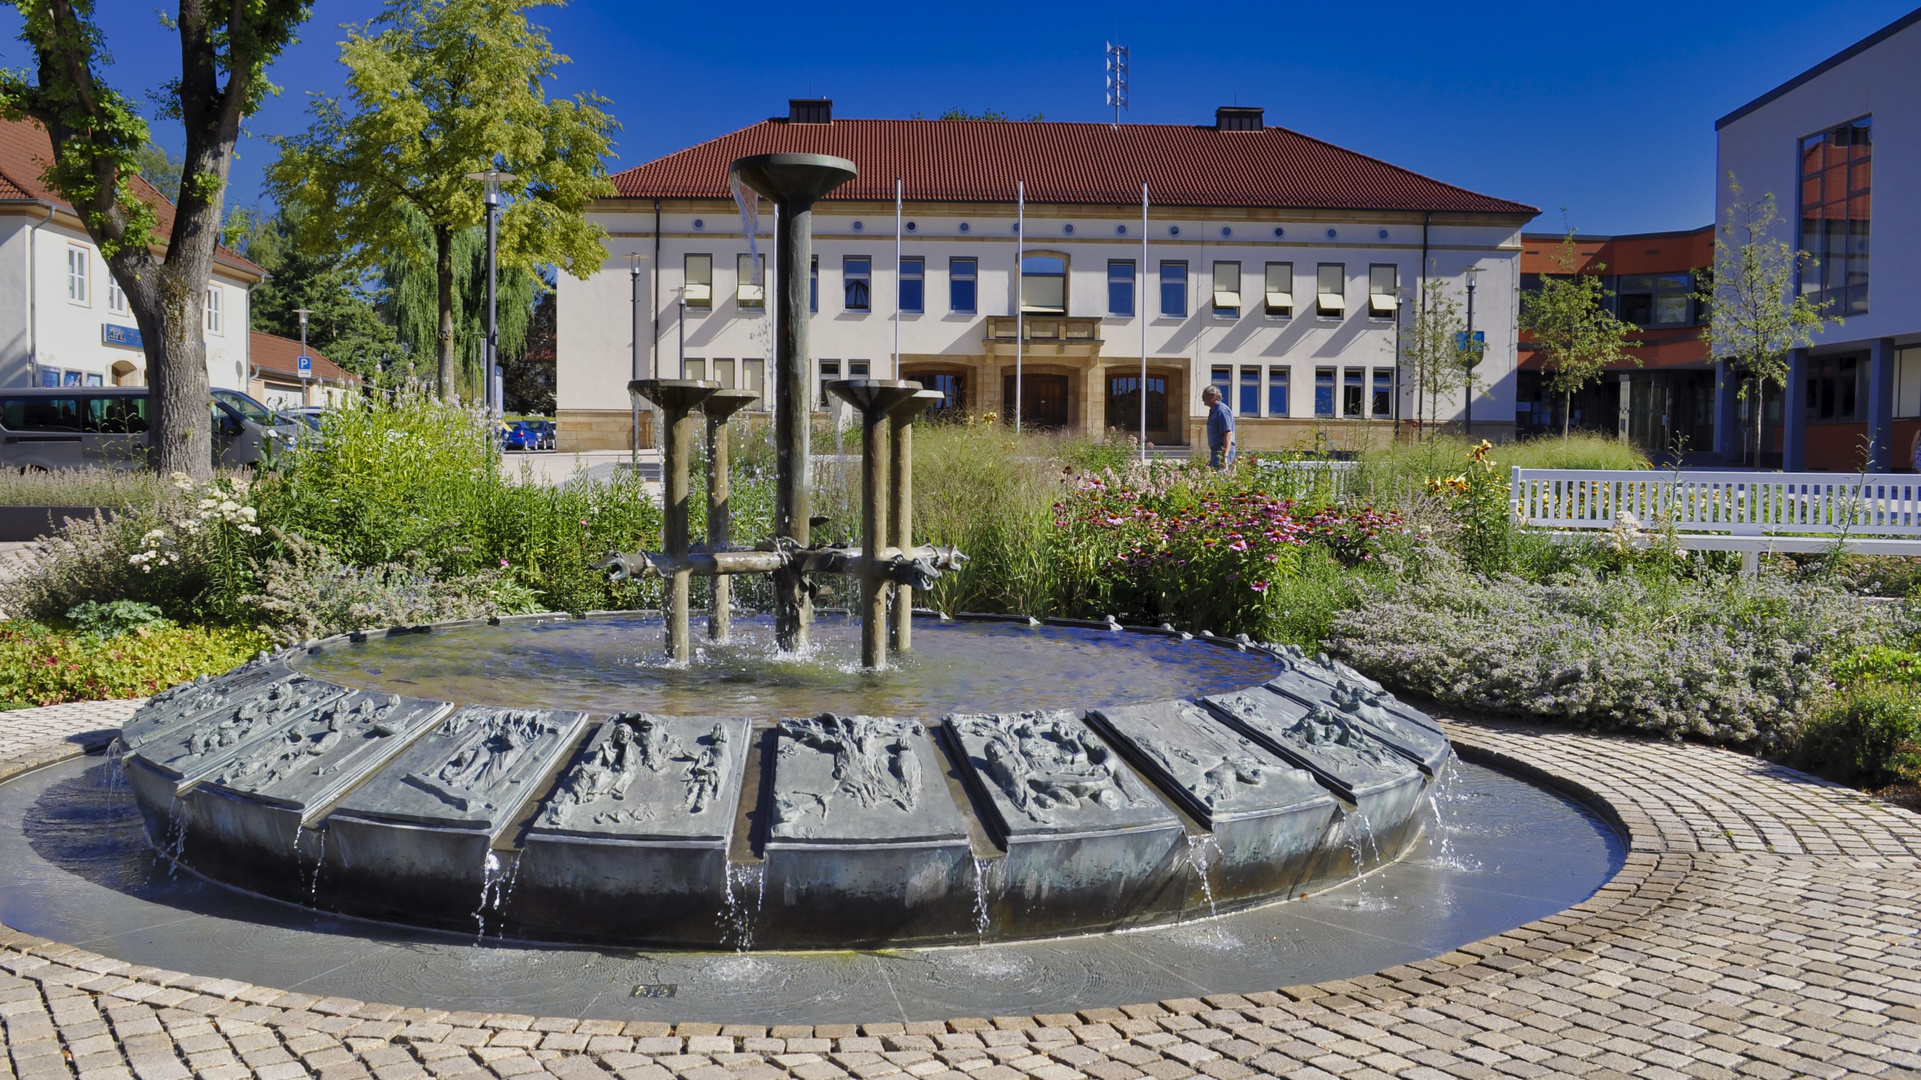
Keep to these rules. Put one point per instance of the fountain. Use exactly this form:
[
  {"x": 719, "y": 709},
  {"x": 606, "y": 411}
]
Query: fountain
[{"x": 987, "y": 779}]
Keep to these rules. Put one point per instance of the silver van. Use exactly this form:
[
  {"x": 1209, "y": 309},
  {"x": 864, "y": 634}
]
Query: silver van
[{"x": 106, "y": 427}]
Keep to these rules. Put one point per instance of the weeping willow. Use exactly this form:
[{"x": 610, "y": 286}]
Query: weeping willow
[{"x": 411, "y": 293}]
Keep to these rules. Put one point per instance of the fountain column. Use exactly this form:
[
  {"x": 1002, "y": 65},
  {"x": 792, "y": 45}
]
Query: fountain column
[
  {"x": 900, "y": 503},
  {"x": 876, "y": 399},
  {"x": 720, "y": 405},
  {"x": 678, "y": 398},
  {"x": 792, "y": 182}
]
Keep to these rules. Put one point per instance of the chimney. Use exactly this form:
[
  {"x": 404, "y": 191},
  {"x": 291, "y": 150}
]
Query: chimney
[
  {"x": 1238, "y": 118},
  {"x": 810, "y": 110}
]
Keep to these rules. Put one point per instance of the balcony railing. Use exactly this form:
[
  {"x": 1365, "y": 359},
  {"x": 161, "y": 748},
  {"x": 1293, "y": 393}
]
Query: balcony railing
[{"x": 1044, "y": 328}]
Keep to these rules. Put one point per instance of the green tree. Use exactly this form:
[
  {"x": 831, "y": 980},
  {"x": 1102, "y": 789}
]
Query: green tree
[
  {"x": 438, "y": 89},
  {"x": 1428, "y": 348},
  {"x": 1755, "y": 314},
  {"x": 98, "y": 141},
  {"x": 1574, "y": 332},
  {"x": 161, "y": 169},
  {"x": 345, "y": 321},
  {"x": 411, "y": 300}
]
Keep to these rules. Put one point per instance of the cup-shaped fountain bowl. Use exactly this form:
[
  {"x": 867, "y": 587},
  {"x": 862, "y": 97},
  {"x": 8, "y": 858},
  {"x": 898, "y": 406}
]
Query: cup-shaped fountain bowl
[
  {"x": 1006, "y": 780},
  {"x": 793, "y": 180}
]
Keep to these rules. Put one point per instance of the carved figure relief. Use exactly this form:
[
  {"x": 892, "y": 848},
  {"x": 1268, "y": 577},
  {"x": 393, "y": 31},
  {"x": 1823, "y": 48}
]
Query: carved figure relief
[
  {"x": 1220, "y": 773},
  {"x": 875, "y": 763},
  {"x": 1334, "y": 737},
  {"x": 309, "y": 739},
  {"x": 281, "y": 702},
  {"x": 635, "y": 743},
  {"x": 483, "y": 762},
  {"x": 1047, "y": 763}
]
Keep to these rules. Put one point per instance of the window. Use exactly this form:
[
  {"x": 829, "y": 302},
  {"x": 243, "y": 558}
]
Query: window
[
  {"x": 1907, "y": 382},
  {"x": 913, "y": 285},
  {"x": 699, "y": 281},
  {"x": 1174, "y": 290},
  {"x": 115, "y": 415},
  {"x": 857, "y": 369},
  {"x": 41, "y": 414},
  {"x": 953, "y": 390},
  {"x": 1331, "y": 290},
  {"x": 962, "y": 297},
  {"x": 1250, "y": 403},
  {"x": 116, "y": 298},
  {"x": 1280, "y": 290},
  {"x": 829, "y": 371},
  {"x": 1324, "y": 391},
  {"x": 693, "y": 367},
  {"x": 1227, "y": 290},
  {"x": 1383, "y": 290},
  {"x": 857, "y": 282},
  {"x": 1277, "y": 391},
  {"x": 1124, "y": 402},
  {"x": 723, "y": 373},
  {"x": 1044, "y": 284},
  {"x": 1383, "y": 393},
  {"x": 1223, "y": 380},
  {"x": 77, "y": 274},
  {"x": 1835, "y": 185},
  {"x": 1353, "y": 391},
  {"x": 216, "y": 323},
  {"x": 1655, "y": 299},
  {"x": 1120, "y": 286},
  {"x": 753, "y": 376},
  {"x": 813, "y": 285},
  {"x": 1834, "y": 384},
  {"x": 750, "y": 289}
]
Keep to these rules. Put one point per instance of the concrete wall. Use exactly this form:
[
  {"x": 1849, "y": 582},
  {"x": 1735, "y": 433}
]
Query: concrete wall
[{"x": 595, "y": 316}]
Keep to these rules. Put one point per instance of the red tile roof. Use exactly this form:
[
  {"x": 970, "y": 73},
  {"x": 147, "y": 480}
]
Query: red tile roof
[
  {"x": 271, "y": 352},
  {"x": 980, "y": 161},
  {"x": 25, "y": 150}
]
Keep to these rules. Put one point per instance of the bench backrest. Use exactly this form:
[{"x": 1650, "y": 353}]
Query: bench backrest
[{"x": 1740, "y": 503}]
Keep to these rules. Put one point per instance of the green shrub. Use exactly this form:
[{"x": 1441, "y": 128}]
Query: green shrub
[
  {"x": 309, "y": 593},
  {"x": 1868, "y": 735},
  {"x": 113, "y": 618},
  {"x": 1392, "y": 473},
  {"x": 84, "y": 487},
  {"x": 1722, "y": 658},
  {"x": 43, "y": 666}
]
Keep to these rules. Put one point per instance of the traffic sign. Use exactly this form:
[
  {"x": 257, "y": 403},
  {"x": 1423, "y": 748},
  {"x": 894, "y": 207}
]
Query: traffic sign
[{"x": 306, "y": 367}]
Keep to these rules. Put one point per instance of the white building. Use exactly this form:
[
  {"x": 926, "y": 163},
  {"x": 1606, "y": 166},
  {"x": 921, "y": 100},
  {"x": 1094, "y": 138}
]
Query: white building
[
  {"x": 63, "y": 319},
  {"x": 1268, "y": 262},
  {"x": 1839, "y": 146}
]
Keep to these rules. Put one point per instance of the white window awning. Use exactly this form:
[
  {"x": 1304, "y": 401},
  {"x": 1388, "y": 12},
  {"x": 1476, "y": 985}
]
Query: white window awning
[
  {"x": 1225, "y": 299},
  {"x": 1384, "y": 303},
  {"x": 751, "y": 294},
  {"x": 1333, "y": 301},
  {"x": 698, "y": 292},
  {"x": 1280, "y": 300}
]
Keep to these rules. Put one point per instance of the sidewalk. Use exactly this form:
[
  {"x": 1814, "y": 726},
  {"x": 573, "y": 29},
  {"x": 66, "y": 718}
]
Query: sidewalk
[{"x": 550, "y": 467}]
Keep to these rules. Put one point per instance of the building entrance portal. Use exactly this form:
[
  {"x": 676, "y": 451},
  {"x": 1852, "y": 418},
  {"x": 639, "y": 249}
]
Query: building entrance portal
[{"x": 1043, "y": 400}]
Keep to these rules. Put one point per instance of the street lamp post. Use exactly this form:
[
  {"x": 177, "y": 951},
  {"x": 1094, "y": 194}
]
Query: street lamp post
[
  {"x": 1472, "y": 355},
  {"x": 493, "y": 177}
]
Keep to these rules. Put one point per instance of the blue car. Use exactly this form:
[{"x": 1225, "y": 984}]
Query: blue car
[{"x": 517, "y": 436}]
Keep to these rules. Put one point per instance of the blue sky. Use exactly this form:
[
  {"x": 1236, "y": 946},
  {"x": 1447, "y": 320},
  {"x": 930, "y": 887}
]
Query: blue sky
[{"x": 1606, "y": 109}]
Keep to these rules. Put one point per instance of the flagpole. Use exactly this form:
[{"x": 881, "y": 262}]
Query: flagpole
[
  {"x": 897, "y": 276},
  {"x": 1142, "y": 315},
  {"x": 1020, "y": 314}
]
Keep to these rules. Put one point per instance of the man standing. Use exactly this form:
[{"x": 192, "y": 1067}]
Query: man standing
[{"x": 1220, "y": 428}]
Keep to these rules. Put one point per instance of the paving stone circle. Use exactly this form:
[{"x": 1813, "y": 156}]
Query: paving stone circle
[{"x": 1765, "y": 924}]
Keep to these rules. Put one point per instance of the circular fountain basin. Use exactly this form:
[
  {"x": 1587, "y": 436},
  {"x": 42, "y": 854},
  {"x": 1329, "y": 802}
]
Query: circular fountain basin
[{"x": 546, "y": 779}]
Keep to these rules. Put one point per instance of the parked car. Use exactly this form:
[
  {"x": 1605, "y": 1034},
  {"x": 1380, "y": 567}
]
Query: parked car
[
  {"x": 106, "y": 426},
  {"x": 517, "y": 436},
  {"x": 545, "y": 429}
]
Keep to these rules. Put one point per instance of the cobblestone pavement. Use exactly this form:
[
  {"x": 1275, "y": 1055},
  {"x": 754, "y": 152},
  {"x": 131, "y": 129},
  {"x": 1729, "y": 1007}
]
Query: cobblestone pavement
[{"x": 1765, "y": 925}]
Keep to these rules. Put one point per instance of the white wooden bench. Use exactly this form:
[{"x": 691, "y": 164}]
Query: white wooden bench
[{"x": 1748, "y": 512}]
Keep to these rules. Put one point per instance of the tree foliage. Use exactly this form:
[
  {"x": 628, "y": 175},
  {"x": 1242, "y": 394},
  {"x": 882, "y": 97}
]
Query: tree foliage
[
  {"x": 1428, "y": 347},
  {"x": 438, "y": 89},
  {"x": 99, "y": 139},
  {"x": 1574, "y": 332},
  {"x": 345, "y": 322},
  {"x": 1755, "y": 314}
]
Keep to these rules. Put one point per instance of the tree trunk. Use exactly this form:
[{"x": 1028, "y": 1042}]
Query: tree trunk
[
  {"x": 1760, "y": 418},
  {"x": 444, "y": 299},
  {"x": 1567, "y": 413}
]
